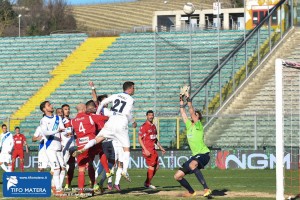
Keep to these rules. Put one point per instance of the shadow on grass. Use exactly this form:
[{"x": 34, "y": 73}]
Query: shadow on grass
[
  {"x": 219, "y": 192},
  {"x": 295, "y": 197}
]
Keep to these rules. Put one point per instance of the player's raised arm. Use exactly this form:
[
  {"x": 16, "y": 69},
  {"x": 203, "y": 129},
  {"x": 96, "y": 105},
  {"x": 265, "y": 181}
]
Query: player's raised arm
[
  {"x": 182, "y": 110},
  {"x": 191, "y": 108},
  {"x": 94, "y": 93}
]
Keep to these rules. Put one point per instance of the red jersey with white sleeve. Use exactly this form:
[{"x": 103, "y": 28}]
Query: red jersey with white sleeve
[
  {"x": 84, "y": 126},
  {"x": 148, "y": 134},
  {"x": 19, "y": 140}
]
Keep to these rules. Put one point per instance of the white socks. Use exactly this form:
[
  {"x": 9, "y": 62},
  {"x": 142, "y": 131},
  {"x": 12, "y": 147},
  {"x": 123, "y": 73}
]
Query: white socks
[
  {"x": 126, "y": 159},
  {"x": 56, "y": 180},
  {"x": 118, "y": 176},
  {"x": 62, "y": 177}
]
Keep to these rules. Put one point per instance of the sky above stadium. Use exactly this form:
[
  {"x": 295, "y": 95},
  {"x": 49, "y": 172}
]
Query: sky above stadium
[{"x": 81, "y": 2}]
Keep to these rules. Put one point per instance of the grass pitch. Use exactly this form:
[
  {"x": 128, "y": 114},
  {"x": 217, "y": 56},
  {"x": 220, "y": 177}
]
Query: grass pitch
[{"x": 225, "y": 184}]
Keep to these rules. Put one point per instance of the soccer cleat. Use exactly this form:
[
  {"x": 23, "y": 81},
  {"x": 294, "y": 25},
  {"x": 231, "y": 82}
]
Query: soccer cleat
[
  {"x": 149, "y": 186},
  {"x": 126, "y": 176},
  {"x": 109, "y": 186},
  {"x": 187, "y": 194},
  {"x": 96, "y": 187},
  {"x": 108, "y": 175},
  {"x": 112, "y": 172},
  {"x": 207, "y": 192},
  {"x": 67, "y": 188},
  {"x": 77, "y": 152},
  {"x": 117, "y": 187}
]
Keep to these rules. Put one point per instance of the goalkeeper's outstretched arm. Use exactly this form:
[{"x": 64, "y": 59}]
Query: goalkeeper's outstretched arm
[
  {"x": 182, "y": 110},
  {"x": 191, "y": 108}
]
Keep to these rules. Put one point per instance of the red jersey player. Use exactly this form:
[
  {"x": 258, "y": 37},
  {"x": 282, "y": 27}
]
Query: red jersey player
[
  {"x": 97, "y": 149},
  {"x": 147, "y": 140},
  {"x": 19, "y": 143},
  {"x": 85, "y": 127}
]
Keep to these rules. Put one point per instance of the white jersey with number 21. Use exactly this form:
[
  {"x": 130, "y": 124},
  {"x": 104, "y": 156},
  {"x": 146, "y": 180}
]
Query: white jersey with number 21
[{"x": 122, "y": 106}]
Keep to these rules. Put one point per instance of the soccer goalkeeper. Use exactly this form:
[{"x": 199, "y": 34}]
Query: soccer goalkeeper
[{"x": 200, "y": 152}]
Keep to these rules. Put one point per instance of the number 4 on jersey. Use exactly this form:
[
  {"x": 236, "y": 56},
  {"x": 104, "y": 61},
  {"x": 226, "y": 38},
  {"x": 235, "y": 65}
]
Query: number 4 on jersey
[{"x": 81, "y": 127}]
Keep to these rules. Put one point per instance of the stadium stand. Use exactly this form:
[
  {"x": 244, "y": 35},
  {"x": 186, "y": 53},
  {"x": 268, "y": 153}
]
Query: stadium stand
[
  {"x": 158, "y": 74},
  {"x": 130, "y": 14},
  {"x": 26, "y": 63},
  {"x": 255, "y": 105},
  {"x": 75, "y": 63}
]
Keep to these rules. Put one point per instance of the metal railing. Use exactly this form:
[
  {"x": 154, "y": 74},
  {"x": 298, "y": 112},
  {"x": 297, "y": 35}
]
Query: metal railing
[{"x": 243, "y": 60}]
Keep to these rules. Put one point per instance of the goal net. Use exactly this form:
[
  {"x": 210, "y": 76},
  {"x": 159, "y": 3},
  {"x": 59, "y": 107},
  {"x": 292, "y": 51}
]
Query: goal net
[{"x": 287, "y": 87}]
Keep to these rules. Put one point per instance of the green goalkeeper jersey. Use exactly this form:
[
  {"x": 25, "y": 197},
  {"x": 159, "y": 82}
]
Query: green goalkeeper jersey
[{"x": 195, "y": 137}]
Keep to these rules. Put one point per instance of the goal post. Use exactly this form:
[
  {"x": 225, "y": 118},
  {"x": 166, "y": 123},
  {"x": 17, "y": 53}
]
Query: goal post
[
  {"x": 287, "y": 108},
  {"x": 279, "y": 129}
]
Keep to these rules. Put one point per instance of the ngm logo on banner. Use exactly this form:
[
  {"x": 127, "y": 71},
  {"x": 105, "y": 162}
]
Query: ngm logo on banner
[{"x": 26, "y": 184}]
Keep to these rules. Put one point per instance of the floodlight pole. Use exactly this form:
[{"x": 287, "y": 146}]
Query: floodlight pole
[
  {"x": 20, "y": 24},
  {"x": 218, "y": 29},
  {"x": 190, "y": 31}
]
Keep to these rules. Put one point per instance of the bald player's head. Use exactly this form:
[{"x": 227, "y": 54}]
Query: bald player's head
[{"x": 81, "y": 108}]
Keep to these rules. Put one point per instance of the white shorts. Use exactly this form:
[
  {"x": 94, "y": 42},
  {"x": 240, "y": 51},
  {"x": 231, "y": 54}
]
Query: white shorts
[
  {"x": 5, "y": 157},
  {"x": 116, "y": 130},
  {"x": 56, "y": 159},
  {"x": 42, "y": 159},
  {"x": 119, "y": 153}
]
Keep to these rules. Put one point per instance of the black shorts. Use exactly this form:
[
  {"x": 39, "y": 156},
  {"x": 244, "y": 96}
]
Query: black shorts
[
  {"x": 108, "y": 150},
  {"x": 202, "y": 160}
]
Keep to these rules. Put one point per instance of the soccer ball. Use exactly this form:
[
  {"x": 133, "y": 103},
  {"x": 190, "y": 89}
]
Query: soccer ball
[{"x": 188, "y": 8}]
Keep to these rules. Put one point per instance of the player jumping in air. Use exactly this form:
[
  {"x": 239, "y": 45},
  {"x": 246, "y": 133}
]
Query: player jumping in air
[
  {"x": 147, "y": 140},
  {"x": 199, "y": 150},
  {"x": 117, "y": 125},
  {"x": 19, "y": 143}
]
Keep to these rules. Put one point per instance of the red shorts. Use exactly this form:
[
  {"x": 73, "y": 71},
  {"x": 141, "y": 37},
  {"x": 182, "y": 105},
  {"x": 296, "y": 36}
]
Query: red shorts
[
  {"x": 86, "y": 157},
  {"x": 152, "y": 160},
  {"x": 18, "y": 153}
]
